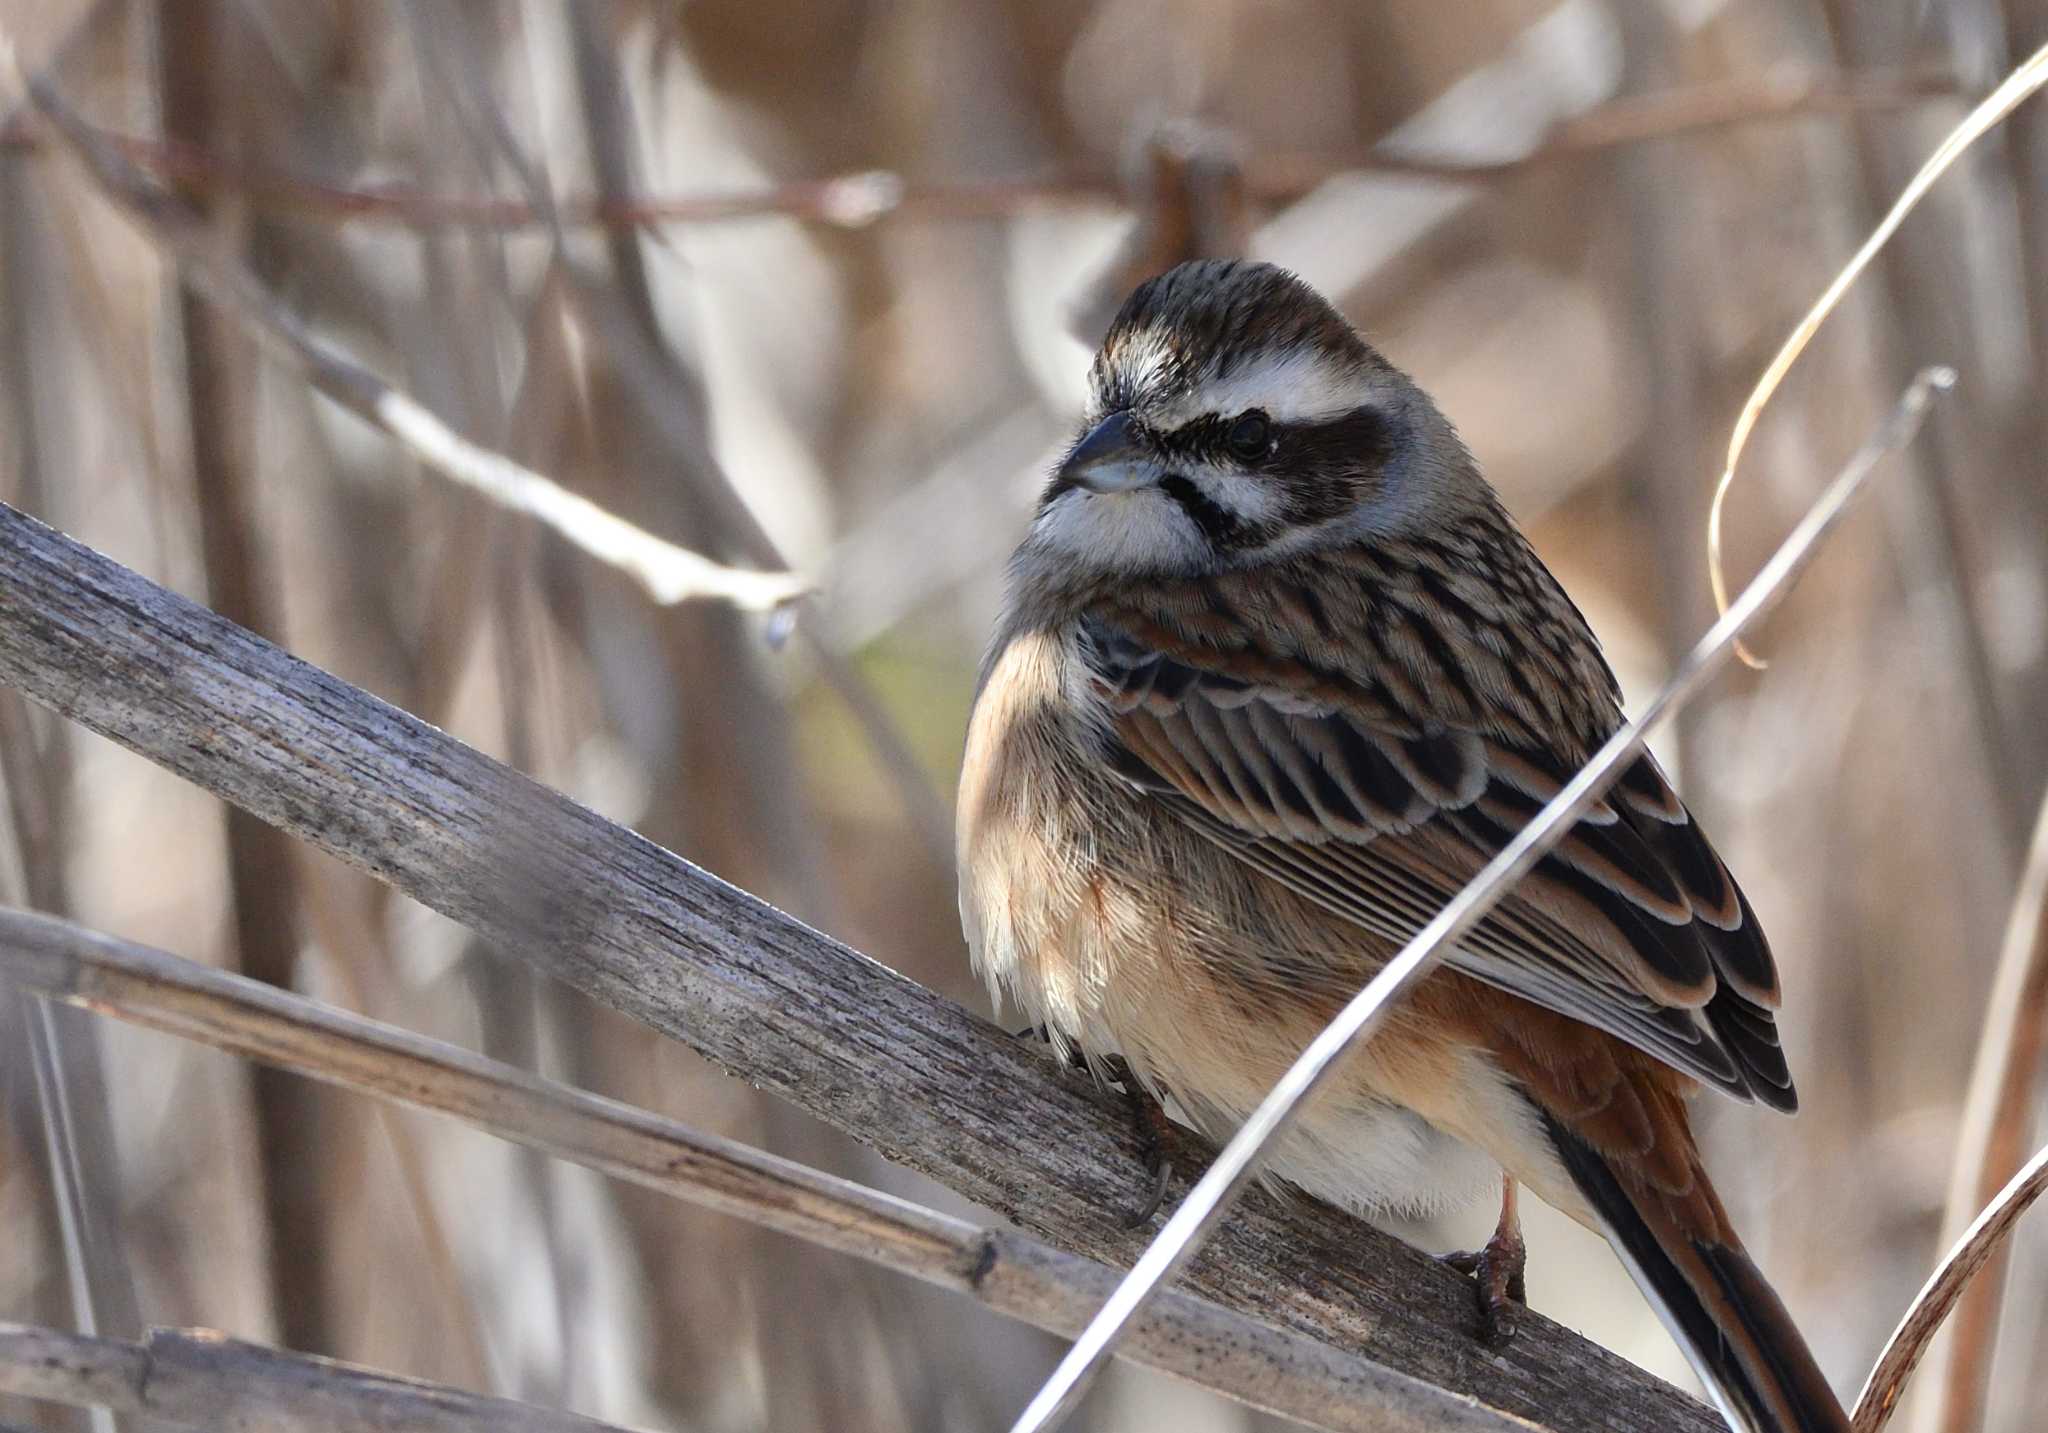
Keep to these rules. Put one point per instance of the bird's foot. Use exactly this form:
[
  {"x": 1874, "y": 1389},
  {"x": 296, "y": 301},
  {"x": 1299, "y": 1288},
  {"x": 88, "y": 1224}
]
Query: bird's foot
[
  {"x": 1499, "y": 1273},
  {"x": 1161, "y": 1143},
  {"x": 1157, "y": 1137}
]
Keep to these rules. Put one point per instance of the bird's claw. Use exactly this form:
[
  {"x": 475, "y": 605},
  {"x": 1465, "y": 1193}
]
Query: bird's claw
[
  {"x": 1499, "y": 1272},
  {"x": 1155, "y": 1137},
  {"x": 1156, "y": 1133}
]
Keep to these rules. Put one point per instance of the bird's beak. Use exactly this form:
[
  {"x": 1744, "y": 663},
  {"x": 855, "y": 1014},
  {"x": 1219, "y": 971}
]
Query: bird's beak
[{"x": 1109, "y": 459}]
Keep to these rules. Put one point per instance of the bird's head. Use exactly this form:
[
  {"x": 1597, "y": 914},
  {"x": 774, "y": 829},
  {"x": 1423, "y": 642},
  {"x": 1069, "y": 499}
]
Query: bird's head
[{"x": 1235, "y": 417}]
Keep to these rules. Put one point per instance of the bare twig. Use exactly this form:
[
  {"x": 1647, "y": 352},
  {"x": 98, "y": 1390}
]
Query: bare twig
[
  {"x": 1009, "y": 1273},
  {"x": 1199, "y": 1214},
  {"x": 911, "y": 1075},
  {"x": 1997, "y": 1118},
  {"x": 1191, "y": 204},
  {"x": 1982, "y": 1242},
  {"x": 862, "y": 197},
  {"x": 1940, "y": 520},
  {"x": 199, "y": 1379},
  {"x": 668, "y": 573},
  {"x": 672, "y": 406},
  {"x": 2022, "y": 82}
]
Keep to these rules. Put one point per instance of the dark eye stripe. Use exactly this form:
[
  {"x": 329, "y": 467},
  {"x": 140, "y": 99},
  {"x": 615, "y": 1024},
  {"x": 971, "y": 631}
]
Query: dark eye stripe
[
  {"x": 1327, "y": 467},
  {"x": 1356, "y": 436},
  {"x": 1322, "y": 468},
  {"x": 1355, "y": 439}
]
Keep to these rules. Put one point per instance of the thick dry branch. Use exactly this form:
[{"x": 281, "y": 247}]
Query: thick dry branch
[
  {"x": 196, "y": 1379},
  {"x": 912, "y": 1075},
  {"x": 1282, "y": 1373}
]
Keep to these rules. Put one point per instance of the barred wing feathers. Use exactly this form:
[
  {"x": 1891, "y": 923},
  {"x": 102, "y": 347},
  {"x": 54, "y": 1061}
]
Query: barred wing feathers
[{"x": 1349, "y": 790}]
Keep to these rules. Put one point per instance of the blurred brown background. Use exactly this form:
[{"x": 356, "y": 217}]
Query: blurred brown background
[{"x": 1663, "y": 188}]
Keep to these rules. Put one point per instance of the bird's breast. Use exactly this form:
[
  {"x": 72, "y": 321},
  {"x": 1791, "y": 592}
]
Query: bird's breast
[
  {"x": 1102, "y": 916},
  {"x": 1048, "y": 921}
]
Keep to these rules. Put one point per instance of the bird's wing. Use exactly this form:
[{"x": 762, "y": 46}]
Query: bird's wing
[{"x": 1378, "y": 813}]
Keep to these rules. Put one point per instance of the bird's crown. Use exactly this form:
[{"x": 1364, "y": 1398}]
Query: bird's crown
[{"x": 1227, "y": 330}]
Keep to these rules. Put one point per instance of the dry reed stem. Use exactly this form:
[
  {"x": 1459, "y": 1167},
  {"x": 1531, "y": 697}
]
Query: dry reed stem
[
  {"x": 1982, "y": 1242},
  {"x": 295, "y": 1215},
  {"x": 81, "y": 1153},
  {"x": 1007, "y": 1272},
  {"x": 667, "y": 572},
  {"x": 669, "y": 395},
  {"x": 1997, "y": 1119},
  {"x": 2022, "y": 82},
  {"x": 199, "y": 1379}
]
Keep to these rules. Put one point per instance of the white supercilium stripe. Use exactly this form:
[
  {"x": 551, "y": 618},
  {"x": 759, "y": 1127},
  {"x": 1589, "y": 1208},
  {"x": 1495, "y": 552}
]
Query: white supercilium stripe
[{"x": 1291, "y": 386}]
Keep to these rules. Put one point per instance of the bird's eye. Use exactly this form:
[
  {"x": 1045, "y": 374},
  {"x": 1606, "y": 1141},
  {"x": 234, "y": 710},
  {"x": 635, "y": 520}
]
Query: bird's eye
[{"x": 1250, "y": 436}]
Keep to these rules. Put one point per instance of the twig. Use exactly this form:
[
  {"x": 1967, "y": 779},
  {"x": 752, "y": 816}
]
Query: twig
[
  {"x": 1982, "y": 1242},
  {"x": 1009, "y": 1273},
  {"x": 199, "y": 1379},
  {"x": 1996, "y": 1119},
  {"x": 668, "y": 573},
  {"x": 2021, "y": 83},
  {"x": 671, "y": 401},
  {"x": 1191, "y": 203},
  {"x": 1911, "y": 308},
  {"x": 14, "y": 104},
  {"x": 909, "y": 1074},
  {"x": 85, "y": 1266},
  {"x": 1357, "y": 1022},
  {"x": 293, "y": 1222},
  {"x": 863, "y": 197},
  {"x": 72, "y": 1106}
]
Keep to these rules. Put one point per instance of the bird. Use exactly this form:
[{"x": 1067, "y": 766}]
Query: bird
[{"x": 1275, "y": 674}]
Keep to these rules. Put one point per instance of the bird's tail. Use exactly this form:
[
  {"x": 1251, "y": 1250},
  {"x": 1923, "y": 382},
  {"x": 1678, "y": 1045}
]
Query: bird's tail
[{"x": 1727, "y": 1320}]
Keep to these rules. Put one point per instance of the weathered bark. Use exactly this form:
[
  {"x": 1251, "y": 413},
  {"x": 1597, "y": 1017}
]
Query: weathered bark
[{"x": 202, "y": 1380}]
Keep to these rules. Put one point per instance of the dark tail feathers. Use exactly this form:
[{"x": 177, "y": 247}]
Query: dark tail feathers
[{"x": 1728, "y": 1321}]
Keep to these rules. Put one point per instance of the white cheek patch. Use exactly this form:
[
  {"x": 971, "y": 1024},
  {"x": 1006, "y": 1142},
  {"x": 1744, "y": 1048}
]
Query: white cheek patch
[
  {"x": 1303, "y": 386},
  {"x": 1143, "y": 531}
]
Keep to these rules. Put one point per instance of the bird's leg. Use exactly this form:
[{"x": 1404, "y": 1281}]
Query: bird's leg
[
  {"x": 1157, "y": 1136},
  {"x": 1499, "y": 1269}
]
